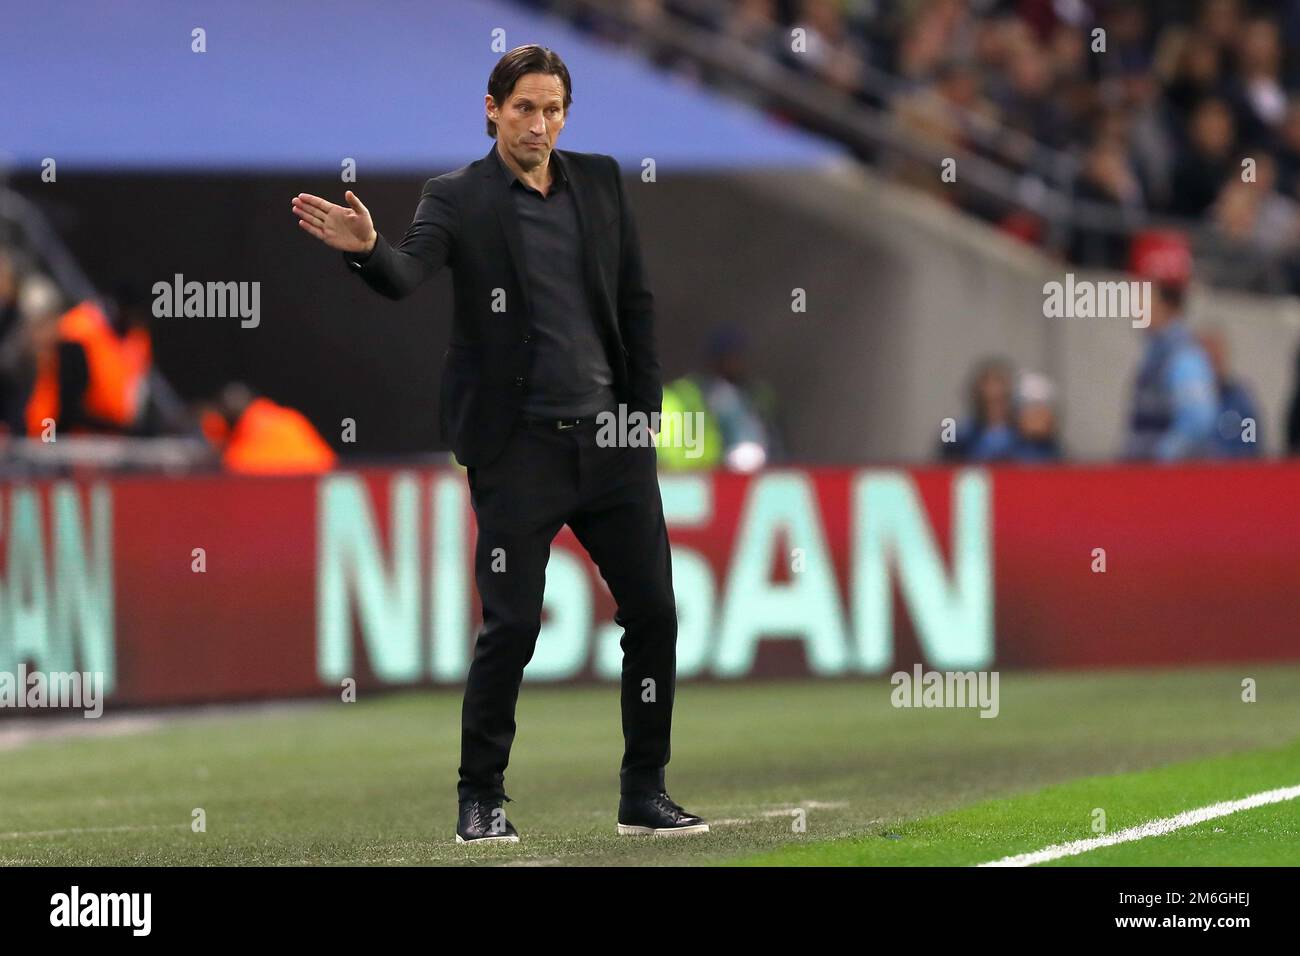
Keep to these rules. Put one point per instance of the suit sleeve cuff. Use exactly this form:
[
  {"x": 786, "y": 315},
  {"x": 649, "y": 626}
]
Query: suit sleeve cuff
[{"x": 356, "y": 259}]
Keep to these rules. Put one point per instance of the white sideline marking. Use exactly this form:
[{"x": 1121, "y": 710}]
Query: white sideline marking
[
  {"x": 1152, "y": 828},
  {"x": 27, "y": 730},
  {"x": 806, "y": 805},
  {"x": 783, "y": 812},
  {"x": 24, "y": 834},
  {"x": 17, "y": 732}
]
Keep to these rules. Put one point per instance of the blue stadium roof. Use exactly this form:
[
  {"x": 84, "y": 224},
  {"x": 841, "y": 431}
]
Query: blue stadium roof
[{"x": 290, "y": 84}]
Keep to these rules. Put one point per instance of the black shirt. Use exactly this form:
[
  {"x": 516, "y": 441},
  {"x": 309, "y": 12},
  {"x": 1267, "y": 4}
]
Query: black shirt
[{"x": 570, "y": 374}]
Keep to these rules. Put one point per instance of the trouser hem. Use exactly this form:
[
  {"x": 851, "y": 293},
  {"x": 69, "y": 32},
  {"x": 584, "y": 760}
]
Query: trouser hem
[{"x": 641, "y": 783}]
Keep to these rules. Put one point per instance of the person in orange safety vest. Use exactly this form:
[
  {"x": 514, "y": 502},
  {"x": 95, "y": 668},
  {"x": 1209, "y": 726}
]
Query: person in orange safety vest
[
  {"x": 259, "y": 437},
  {"x": 88, "y": 378}
]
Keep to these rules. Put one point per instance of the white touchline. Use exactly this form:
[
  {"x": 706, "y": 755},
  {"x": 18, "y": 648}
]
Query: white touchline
[
  {"x": 1154, "y": 828},
  {"x": 24, "y": 834}
]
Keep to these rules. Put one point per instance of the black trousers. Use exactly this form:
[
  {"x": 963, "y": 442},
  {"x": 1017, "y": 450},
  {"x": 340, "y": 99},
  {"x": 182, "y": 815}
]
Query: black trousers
[{"x": 544, "y": 479}]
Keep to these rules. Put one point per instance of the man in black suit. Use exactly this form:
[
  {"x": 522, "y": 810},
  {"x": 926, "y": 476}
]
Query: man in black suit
[{"x": 553, "y": 327}]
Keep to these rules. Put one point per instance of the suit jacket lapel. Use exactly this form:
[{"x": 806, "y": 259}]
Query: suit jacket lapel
[
  {"x": 586, "y": 229},
  {"x": 505, "y": 210}
]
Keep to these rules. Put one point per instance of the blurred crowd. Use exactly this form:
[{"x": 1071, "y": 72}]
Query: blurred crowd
[
  {"x": 72, "y": 369},
  {"x": 1185, "y": 403},
  {"x": 1151, "y": 116},
  {"x": 1186, "y": 109},
  {"x": 1147, "y": 116}
]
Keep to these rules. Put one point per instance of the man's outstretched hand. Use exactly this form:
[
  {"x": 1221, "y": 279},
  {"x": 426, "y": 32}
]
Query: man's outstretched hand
[{"x": 347, "y": 228}]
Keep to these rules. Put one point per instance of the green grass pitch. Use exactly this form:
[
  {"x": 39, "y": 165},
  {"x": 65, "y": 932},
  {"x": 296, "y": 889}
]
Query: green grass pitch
[{"x": 373, "y": 782}]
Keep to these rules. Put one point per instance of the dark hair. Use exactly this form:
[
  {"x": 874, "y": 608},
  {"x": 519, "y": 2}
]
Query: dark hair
[
  {"x": 996, "y": 365},
  {"x": 529, "y": 58},
  {"x": 1173, "y": 293}
]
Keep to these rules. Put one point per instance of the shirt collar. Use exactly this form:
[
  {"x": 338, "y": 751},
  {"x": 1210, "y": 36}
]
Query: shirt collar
[{"x": 508, "y": 174}]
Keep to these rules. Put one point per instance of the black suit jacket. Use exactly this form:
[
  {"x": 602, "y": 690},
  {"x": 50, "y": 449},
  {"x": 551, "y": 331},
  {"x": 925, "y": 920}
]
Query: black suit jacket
[{"x": 466, "y": 220}]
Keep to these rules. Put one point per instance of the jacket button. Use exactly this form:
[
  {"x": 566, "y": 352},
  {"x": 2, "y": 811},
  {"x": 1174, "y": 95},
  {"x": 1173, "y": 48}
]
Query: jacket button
[
  {"x": 519, "y": 382},
  {"x": 527, "y": 339}
]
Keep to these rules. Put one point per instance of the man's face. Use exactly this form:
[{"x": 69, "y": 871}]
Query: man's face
[
  {"x": 1037, "y": 422},
  {"x": 993, "y": 392},
  {"x": 530, "y": 120},
  {"x": 1164, "y": 308}
]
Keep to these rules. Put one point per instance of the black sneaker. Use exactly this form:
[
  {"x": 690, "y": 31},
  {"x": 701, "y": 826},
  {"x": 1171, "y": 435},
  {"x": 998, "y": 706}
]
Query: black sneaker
[
  {"x": 655, "y": 814},
  {"x": 484, "y": 821}
]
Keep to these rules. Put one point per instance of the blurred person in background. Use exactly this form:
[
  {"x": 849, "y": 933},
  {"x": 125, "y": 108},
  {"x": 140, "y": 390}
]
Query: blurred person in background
[
  {"x": 39, "y": 306},
  {"x": 1219, "y": 22},
  {"x": 1237, "y": 432},
  {"x": 87, "y": 379},
  {"x": 1207, "y": 161},
  {"x": 1128, "y": 39},
  {"x": 683, "y": 402},
  {"x": 1024, "y": 97},
  {"x": 256, "y": 436},
  {"x": 1197, "y": 74},
  {"x": 1148, "y": 133},
  {"x": 1174, "y": 407},
  {"x": 1257, "y": 230},
  {"x": 951, "y": 114},
  {"x": 91, "y": 369},
  {"x": 989, "y": 431},
  {"x": 832, "y": 53},
  {"x": 13, "y": 349},
  {"x": 1107, "y": 178},
  {"x": 162, "y": 411},
  {"x": 751, "y": 25},
  {"x": 741, "y": 431},
  {"x": 1259, "y": 99},
  {"x": 8, "y": 292},
  {"x": 1036, "y": 425},
  {"x": 1255, "y": 213},
  {"x": 754, "y": 25},
  {"x": 930, "y": 32}
]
